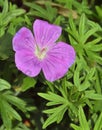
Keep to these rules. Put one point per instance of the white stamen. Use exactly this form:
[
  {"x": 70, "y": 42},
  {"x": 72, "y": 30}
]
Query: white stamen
[{"x": 40, "y": 53}]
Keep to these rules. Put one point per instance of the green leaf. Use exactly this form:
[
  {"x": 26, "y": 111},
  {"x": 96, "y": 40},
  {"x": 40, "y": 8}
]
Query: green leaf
[
  {"x": 75, "y": 127},
  {"x": 93, "y": 42},
  {"x": 11, "y": 112},
  {"x": 89, "y": 77},
  {"x": 97, "y": 106},
  {"x": 82, "y": 119},
  {"x": 92, "y": 95},
  {"x": 56, "y": 113},
  {"x": 37, "y": 10},
  {"x": 98, "y": 82},
  {"x": 53, "y": 97},
  {"x": 95, "y": 48},
  {"x": 21, "y": 126},
  {"x": 82, "y": 23},
  {"x": 12, "y": 14},
  {"x": 61, "y": 114},
  {"x": 72, "y": 29},
  {"x": 99, "y": 11},
  {"x": 5, "y": 46},
  {"x": 55, "y": 117},
  {"x": 28, "y": 83},
  {"x": 8, "y": 113},
  {"x": 98, "y": 124},
  {"x": 20, "y": 104},
  {"x": 89, "y": 33},
  {"x": 4, "y": 85},
  {"x": 36, "y": 7},
  {"x": 50, "y": 10},
  {"x": 94, "y": 56},
  {"x": 2, "y": 127},
  {"x": 76, "y": 75},
  {"x": 5, "y": 9},
  {"x": 8, "y": 13},
  {"x": 4, "y": 115}
]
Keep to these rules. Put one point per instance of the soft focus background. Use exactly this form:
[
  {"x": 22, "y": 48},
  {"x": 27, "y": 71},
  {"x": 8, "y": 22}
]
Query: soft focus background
[{"x": 71, "y": 103}]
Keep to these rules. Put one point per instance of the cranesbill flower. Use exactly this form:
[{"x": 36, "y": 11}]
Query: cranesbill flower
[{"x": 40, "y": 51}]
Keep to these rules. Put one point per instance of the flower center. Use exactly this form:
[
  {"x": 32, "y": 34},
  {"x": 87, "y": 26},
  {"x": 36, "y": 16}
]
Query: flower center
[{"x": 40, "y": 53}]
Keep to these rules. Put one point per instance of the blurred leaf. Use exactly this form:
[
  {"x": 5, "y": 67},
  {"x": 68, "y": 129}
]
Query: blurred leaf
[
  {"x": 7, "y": 15},
  {"x": 20, "y": 104},
  {"x": 12, "y": 14},
  {"x": 4, "y": 85},
  {"x": 28, "y": 83},
  {"x": 98, "y": 124},
  {"x": 75, "y": 127},
  {"x": 99, "y": 11},
  {"x": 2, "y": 127},
  {"x": 8, "y": 113},
  {"x": 97, "y": 105},
  {"x": 21, "y": 126},
  {"x": 66, "y": 12},
  {"x": 5, "y": 9},
  {"x": 4, "y": 115},
  {"x": 91, "y": 95},
  {"x": 82, "y": 7},
  {"x": 11, "y": 112},
  {"x": 82, "y": 119},
  {"x": 82, "y": 25},
  {"x": 94, "y": 56},
  {"x": 5, "y": 46},
  {"x": 41, "y": 12}
]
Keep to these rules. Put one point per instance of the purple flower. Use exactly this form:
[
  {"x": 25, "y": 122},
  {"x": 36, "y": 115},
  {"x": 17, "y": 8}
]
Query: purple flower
[{"x": 37, "y": 52}]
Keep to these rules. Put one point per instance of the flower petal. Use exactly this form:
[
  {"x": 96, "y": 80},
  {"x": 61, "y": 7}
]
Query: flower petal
[
  {"x": 45, "y": 33},
  {"x": 27, "y": 63},
  {"x": 23, "y": 39},
  {"x": 58, "y": 60}
]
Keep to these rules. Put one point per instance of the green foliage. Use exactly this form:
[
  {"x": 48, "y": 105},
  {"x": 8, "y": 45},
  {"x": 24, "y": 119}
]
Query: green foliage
[
  {"x": 99, "y": 12},
  {"x": 81, "y": 7},
  {"x": 86, "y": 40},
  {"x": 98, "y": 125},
  {"x": 8, "y": 113},
  {"x": 84, "y": 124},
  {"x": 73, "y": 102},
  {"x": 57, "y": 113},
  {"x": 84, "y": 47},
  {"x": 37, "y": 10},
  {"x": 8, "y": 13},
  {"x": 61, "y": 103},
  {"x": 5, "y": 46},
  {"x": 20, "y": 126}
]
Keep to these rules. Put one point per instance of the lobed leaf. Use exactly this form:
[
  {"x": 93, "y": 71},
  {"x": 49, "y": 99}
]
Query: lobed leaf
[
  {"x": 55, "y": 115},
  {"x": 52, "y": 97}
]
